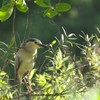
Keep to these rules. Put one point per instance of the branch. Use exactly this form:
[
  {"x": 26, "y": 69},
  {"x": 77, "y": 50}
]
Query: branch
[{"x": 32, "y": 94}]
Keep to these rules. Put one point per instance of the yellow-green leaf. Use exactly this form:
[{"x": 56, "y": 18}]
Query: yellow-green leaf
[
  {"x": 2, "y": 73},
  {"x": 5, "y": 12},
  {"x": 32, "y": 73},
  {"x": 53, "y": 42},
  {"x": 43, "y": 3},
  {"x": 50, "y": 13},
  {"x": 21, "y": 6},
  {"x": 41, "y": 80}
]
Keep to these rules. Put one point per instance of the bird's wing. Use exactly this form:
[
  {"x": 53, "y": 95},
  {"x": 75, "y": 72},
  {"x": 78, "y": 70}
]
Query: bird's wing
[
  {"x": 35, "y": 58},
  {"x": 17, "y": 64}
]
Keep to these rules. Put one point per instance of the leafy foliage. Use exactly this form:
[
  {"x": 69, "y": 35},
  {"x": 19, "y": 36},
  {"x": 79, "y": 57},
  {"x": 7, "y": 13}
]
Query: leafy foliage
[
  {"x": 5, "y": 12},
  {"x": 52, "y": 11},
  {"x": 55, "y": 10},
  {"x": 62, "y": 77},
  {"x": 5, "y": 91},
  {"x": 8, "y": 7},
  {"x": 21, "y": 5}
]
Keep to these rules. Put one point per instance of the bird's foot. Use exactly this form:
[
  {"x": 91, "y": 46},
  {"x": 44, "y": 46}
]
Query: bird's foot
[
  {"x": 22, "y": 83},
  {"x": 30, "y": 90}
]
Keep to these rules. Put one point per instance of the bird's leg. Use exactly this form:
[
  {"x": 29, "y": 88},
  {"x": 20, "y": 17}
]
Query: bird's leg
[
  {"x": 29, "y": 82},
  {"x": 20, "y": 79}
]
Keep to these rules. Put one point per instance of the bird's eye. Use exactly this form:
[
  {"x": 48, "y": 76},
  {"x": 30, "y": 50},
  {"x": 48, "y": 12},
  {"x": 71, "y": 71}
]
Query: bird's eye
[{"x": 35, "y": 42}]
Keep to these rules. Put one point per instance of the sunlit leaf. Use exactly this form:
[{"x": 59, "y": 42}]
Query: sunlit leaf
[
  {"x": 70, "y": 35},
  {"x": 58, "y": 60},
  {"x": 64, "y": 31},
  {"x": 21, "y": 6},
  {"x": 12, "y": 62},
  {"x": 70, "y": 66},
  {"x": 59, "y": 55},
  {"x": 65, "y": 59},
  {"x": 53, "y": 42},
  {"x": 32, "y": 73},
  {"x": 48, "y": 76},
  {"x": 47, "y": 86},
  {"x": 41, "y": 80},
  {"x": 2, "y": 73},
  {"x": 50, "y": 13},
  {"x": 58, "y": 98},
  {"x": 72, "y": 38},
  {"x": 98, "y": 39},
  {"x": 65, "y": 46},
  {"x": 43, "y": 3},
  {"x": 10, "y": 95},
  {"x": 5, "y": 12},
  {"x": 62, "y": 38}
]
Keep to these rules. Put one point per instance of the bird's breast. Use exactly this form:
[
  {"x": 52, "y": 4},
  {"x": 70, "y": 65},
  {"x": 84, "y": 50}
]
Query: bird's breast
[{"x": 27, "y": 60}]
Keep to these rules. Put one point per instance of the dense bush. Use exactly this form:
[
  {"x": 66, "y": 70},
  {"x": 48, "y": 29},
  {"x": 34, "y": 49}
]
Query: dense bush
[{"x": 62, "y": 77}]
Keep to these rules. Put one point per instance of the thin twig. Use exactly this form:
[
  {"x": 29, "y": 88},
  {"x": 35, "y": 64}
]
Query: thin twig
[
  {"x": 13, "y": 27},
  {"x": 32, "y": 94}
]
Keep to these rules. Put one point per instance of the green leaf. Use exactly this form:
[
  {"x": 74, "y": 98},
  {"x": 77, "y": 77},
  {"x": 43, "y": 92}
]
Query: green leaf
[
  {"x": 62, "y": 7},
  {"x": 98, "y": 39},
  {"x": 5, "y": 12},
  {"x": 47, "y": 86},
  {"x": 11, "y": 43},
  {"x": 59, "y": 55},
  {"x": 32, "y": 73},
  {"x": 53, "y": 42},
  {"x": 65, "y": 59},
  {"x": 50, "y": 13},
  {"x": 41, "y": 80},
  {"x": 58, "y": 59},
  {"x": 2, "y": 73},
  {"x": 70, "y": 66},
  {"x": 43, "y": 3},
  {"x": 21, "y": 6},
  {"x": 47, "y": 2}
]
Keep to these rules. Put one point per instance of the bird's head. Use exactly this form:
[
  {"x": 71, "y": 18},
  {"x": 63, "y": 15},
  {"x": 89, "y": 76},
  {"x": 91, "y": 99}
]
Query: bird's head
[{"x": 33, "y": 44}]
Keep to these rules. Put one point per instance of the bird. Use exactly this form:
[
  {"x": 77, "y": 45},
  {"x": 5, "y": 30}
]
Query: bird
[{"x": 25, "y": 57}]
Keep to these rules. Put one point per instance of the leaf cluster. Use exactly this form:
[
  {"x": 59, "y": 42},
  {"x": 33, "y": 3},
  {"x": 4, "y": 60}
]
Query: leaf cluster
[
  {"x": 62, "y": 77},
  {"x": 50, "y": 11}
]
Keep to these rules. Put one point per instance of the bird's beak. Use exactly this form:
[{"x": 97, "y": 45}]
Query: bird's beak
[{"x": 43, "y": 46}]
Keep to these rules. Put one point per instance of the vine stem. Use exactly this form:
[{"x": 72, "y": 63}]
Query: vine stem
[{"x": 13, "y": 26}]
